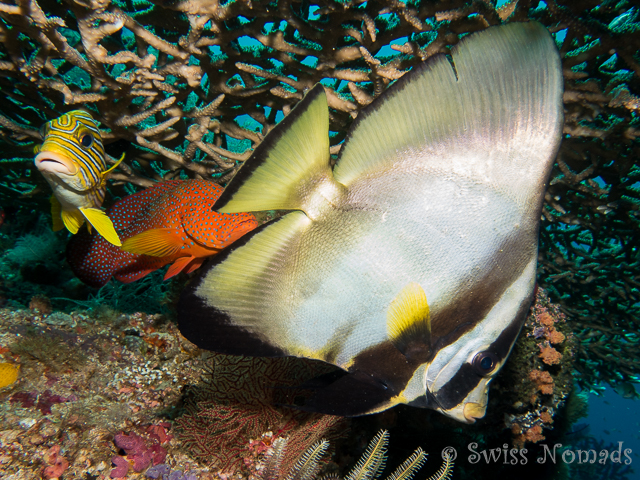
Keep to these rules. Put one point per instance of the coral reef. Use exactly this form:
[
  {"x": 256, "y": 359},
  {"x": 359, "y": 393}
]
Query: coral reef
[
  {"x": 189, "y": 88},
  {"x": 540, "y": 373},
  {"x": 240, "y": 409},
  {"x": 369, "y": 466},
  {"x": 66, "y": 417}
]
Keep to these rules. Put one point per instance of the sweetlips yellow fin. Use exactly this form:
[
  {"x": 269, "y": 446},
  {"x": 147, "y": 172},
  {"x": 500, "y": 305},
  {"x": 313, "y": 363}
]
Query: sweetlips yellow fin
[
  {"x": 408, "y": 319},
  {"x": 156, "y": 242},
  {"x": 287, "y": 168},
  {"x": 102, "y": 223},
  {"x": 56, "y": 214},
  {"x": 104, "y": 174},
  {"x": 72, "y": 219}
]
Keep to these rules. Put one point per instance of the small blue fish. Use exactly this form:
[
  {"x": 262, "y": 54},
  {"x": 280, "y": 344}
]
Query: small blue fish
[{"x": 72, "y": 160}]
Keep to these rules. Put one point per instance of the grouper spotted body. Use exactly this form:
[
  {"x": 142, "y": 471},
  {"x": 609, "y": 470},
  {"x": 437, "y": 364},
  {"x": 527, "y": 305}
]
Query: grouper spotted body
[{"x": 411, "y": 264}]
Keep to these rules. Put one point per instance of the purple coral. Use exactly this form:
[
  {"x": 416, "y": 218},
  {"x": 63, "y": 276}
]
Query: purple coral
[
  {"x": 45, "y": 400},
  {"x": 121, "y": 469},
  {"x": 139, "y": 451}
]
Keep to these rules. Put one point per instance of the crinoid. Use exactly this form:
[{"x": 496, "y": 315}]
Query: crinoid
[{"x": 369, "y": 466}]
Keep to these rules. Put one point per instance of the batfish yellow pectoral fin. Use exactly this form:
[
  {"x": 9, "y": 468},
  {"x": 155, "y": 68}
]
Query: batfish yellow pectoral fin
[
  {"x": 409, "y": 320},
  {"x": 102, "y": 223},
  {"x": 56, "y": 214},
  {"x": 72, "y": 219},
  {"x": 156, "y": 242},
  {"x": 287, "y": 168}
]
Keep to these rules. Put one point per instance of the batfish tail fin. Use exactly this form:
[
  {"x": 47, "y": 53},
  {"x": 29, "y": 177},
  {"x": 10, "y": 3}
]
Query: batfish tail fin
[{"x": 287, "y": 167}]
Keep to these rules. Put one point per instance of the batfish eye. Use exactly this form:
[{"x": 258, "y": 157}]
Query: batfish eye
[
  {"x": 86, "y": 140},
  {"x": 484, "y": 363}
]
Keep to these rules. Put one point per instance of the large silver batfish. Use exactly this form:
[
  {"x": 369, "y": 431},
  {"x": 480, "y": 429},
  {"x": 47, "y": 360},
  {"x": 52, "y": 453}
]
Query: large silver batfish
[{"x": 412, "y": 264}]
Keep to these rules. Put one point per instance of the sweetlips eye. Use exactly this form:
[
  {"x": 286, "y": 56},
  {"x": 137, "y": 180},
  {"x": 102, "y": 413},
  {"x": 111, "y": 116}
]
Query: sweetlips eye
[
  {"x": 86, "y": 140},
  {"x": 484, "y": 363}
]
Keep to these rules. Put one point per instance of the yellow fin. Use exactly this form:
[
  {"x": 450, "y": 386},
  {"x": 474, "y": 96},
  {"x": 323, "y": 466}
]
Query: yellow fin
[
  {"x": 102, "y": 224},
  {"x": 56, "y": 214},
  {"x": 72, "y": 219},
  {"x": 104, "y": 174},
  {"x": 285, "y": 170},
  {"x": 8, "y": 374},
  {"x": 157, "y": 242},
  {"x": 408, "y": 318}
]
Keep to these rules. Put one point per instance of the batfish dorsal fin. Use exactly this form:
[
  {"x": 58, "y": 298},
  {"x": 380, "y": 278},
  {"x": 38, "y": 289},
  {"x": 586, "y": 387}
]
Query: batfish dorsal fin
[
  {"x": 293, "y": 155},
  {"x": 450, "y": 114},
  {"x": 408, "y": 319}
]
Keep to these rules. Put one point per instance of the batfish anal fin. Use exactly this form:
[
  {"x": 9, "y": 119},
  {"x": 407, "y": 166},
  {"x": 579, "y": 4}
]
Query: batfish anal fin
[
  {"x": 72, "y": 219},
  {"x": 351, "y": 395},
  {"x": 290, "y": 169},
  {"x": 209, "y": 328},
  {"x": 156, "y": 242},
  {"x": 409, "y": 321},
  {"x": 56, "y": 214},
  {"x": 492, "y": 111},
  {"x": 102, "y": 223},
  {"x": 223, "y": 309}
]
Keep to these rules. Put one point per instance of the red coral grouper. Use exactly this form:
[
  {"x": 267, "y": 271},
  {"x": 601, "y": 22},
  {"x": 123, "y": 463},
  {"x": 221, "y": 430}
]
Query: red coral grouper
[{"x": 168, "y": 222}]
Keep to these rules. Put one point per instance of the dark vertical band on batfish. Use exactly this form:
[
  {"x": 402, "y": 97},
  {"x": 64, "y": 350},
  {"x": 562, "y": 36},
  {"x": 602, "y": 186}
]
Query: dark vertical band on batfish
[{"x": 466, "y": 379}]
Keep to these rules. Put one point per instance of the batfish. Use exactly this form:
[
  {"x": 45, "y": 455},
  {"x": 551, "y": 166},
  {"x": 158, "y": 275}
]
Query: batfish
[{"x": 411, "y": 264}]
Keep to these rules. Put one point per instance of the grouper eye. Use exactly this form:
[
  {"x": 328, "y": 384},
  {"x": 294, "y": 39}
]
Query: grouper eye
[
  {"x": 86, "y": 140},
  {"x": 484, "y": 363}
]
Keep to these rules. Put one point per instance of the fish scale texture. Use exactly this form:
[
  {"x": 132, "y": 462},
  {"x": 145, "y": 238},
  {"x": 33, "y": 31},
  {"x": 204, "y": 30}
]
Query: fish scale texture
[{"x": 181, "y": 206}]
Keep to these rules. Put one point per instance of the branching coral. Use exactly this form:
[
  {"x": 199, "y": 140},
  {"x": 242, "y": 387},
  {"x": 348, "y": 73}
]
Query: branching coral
[{"x": 189, "y": 88}]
